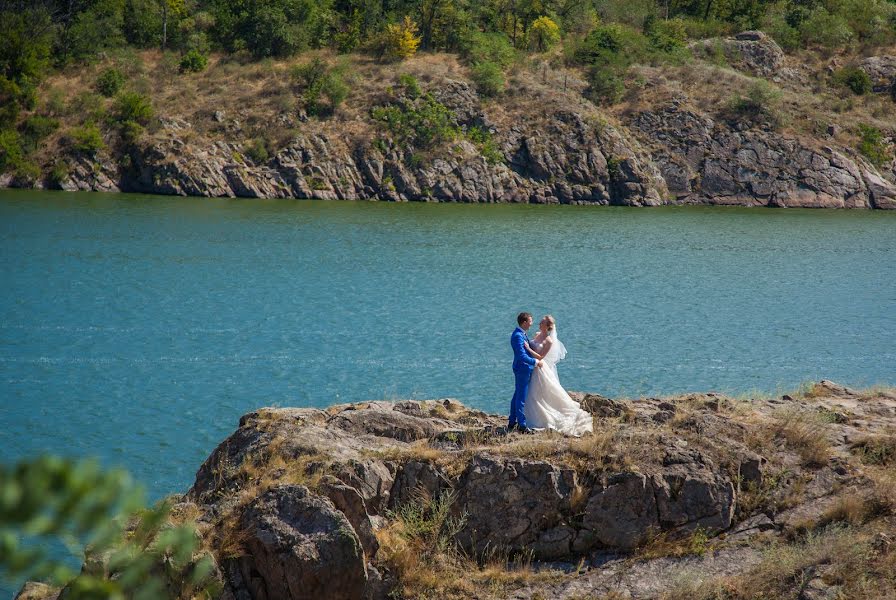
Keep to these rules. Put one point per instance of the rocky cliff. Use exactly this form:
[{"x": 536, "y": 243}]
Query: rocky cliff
[
  {"x": 668, "y": 142},
  {"x": 669, "y": 497}
]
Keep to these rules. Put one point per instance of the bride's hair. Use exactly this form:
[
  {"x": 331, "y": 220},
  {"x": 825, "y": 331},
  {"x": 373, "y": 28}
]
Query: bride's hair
[{"x": 550, "y": 319}]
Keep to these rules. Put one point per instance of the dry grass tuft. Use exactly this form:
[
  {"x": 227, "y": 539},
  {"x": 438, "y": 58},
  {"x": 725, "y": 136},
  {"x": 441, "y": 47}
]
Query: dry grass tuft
[
  {"x": 875, "y": 449},
  {"x": 418, "y": 547},
  {"x": 660, "y": 544},
  {"x": 806, "y": 433}
]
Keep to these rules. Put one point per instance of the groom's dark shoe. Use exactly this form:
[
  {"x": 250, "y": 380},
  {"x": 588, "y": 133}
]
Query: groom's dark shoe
[{"x": 525, "y": 430}]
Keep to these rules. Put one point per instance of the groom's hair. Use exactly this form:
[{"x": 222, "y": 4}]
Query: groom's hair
[{"x": 522, "y": 317}]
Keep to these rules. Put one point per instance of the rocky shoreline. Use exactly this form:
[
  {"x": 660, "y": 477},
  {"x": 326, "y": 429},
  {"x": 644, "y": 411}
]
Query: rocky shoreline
[
  {"x": 670, "y": 495},
  {"x": 548, "y": 145}
]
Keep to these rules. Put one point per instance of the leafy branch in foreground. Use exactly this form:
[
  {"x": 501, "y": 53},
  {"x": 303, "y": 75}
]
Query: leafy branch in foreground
[{"x": 134, "y": 552}]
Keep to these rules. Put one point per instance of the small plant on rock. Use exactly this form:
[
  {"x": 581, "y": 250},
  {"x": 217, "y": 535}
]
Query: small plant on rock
[
  {"x": 760, "y": 103},
  {"x": 872, "y": 146},
  {"x": 193, "y": 61},
  {"x": 489, "y": 78},
  {"x": 853, "y": 78},
  {"x": 109, "y": 82},
  {"x": 86, "y": 139}
]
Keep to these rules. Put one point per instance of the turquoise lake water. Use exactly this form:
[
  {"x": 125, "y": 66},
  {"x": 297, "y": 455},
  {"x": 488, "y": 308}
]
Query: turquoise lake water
[{"x": 138, "y": 329}]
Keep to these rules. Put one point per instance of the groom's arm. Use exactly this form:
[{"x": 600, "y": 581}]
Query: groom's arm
[{"x": 519, "y": 349}]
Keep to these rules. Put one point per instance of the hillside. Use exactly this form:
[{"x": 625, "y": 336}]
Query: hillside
[{"x": 635, "y": 110}]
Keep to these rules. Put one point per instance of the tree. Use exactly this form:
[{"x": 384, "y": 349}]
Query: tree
[
  {"x": 543, "y": 35},
  {"x": 84, "y": 506},
  {"x": 399, "y": 40},
  {"x": 169, "y": 7}
]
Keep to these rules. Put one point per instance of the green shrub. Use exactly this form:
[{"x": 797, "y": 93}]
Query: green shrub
[
  {"x": 86, "y": 139},
  {"x": 193, "y": 61},
  {"x": 35, "y": 128},
  {"x": 825, "y": 29},
  {"x": 489, "y": 47},
  {"x": 422, "y": 123},
  {"x": 131, "y": 131},
  {"x": 109, "y": 82},
  {"x": 27, "y": 172},
  {"x": 131, "y": 106},
  {"x": 777, "y": 25},
  {"x": 410, "y": 85},
  {"x": 872, "y": 146},
  {"x": 605, "y": 85},
  {"x": 87, "y": 106},
  {"x": 59, "y": 173},
  {"x": 318, "y": 81},
  {"x": 761, "y": 102},
  {"x": 11, "y": 153},
  {"x": 258, "y": 151},
  {"x": 666, "y": 35},
  {"x": 488, "y": 77},
  {"x": 853, "y": 78},
  {"x": 486, "y": 145}
]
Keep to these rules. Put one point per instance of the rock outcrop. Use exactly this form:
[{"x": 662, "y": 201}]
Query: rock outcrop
[
  {"x": 704, "y": 160},
  {"x": 751, "y": 51},
  {"x": 304, "y": 495},
  {"x": 881, "y": 70}
]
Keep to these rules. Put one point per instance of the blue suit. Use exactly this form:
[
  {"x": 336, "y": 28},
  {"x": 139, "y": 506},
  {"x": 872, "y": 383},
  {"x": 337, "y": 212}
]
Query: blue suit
[{"x": 523, "y": 364}]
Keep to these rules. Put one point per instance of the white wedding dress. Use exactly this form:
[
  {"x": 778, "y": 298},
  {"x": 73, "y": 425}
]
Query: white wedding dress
[{"x": 548, "y": 406}]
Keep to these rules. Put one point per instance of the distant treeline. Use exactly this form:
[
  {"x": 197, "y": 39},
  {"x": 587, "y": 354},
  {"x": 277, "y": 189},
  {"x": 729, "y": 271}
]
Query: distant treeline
[{"x": 603, "y": 37}]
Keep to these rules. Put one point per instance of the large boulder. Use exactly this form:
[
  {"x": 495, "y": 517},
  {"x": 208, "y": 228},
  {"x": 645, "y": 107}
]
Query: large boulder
[
  {"x": 750, "y": 51},
  {"x": 515, "y": 504},
  {"x": 299, "y": 546},
  {"x": 881, "y": 70}
]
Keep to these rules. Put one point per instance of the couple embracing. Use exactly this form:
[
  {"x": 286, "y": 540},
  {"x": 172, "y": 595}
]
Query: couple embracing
[{"x": 539, "y": 401}]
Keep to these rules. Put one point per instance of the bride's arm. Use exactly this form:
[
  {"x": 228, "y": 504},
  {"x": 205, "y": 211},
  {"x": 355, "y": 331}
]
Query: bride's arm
[{"x": 532, "y": 352}]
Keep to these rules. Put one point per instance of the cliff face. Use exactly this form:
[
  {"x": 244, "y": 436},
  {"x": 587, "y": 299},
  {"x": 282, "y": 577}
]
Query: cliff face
[{"x": 674, "y": 140}]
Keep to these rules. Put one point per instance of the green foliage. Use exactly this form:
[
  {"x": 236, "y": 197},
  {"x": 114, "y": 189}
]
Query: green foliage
[
  {"x": 80, "y": 504},
  {"x": 37, "y": 127},
  {"x": 97, "y": 27},
  {"x": 132, "y": 106},
  {"x": 666, "y": 35},
  {"x": 410, "y": 85},
  {"x": 193, "y": 61},
  {"x": 318, "y": 81},
  {"x": 421, "y": 123},
  {"x": 605, "y": 85},
  {"x": 11, "y": 152},
  {"x": 489, "y": 47},
  {"x": 825, "y": 29},
  {"x": 109, "y": 82},
  {"x": 872, "y": 146},
  {"x": 59, "y": 172},
  {"x": 543, "y": 35},
  {"x": 760, "y": 103},
  {"x": 430, "y": 521},
  {"x": 853, "y": 78},
  {"x": 25, "y": 45},
  {"x": 488, "y": 77},
  {"x": 398, "y": 41},
  {"x": 86, "y": 139},
  {"x": 258, "y": 150},
  {"x": 130, "y": 131},
  {"x": 486, "y": 144}
]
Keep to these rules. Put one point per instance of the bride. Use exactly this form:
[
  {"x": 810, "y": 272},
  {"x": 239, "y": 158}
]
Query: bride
[{"x": 548, "y": 406}]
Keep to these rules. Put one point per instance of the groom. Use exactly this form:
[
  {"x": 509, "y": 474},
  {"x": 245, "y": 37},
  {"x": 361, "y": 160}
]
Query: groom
[{"x": 523, "y": 364}]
